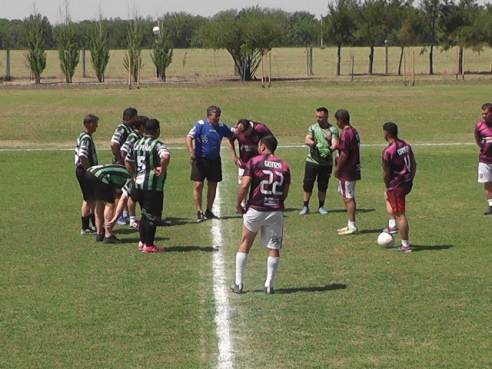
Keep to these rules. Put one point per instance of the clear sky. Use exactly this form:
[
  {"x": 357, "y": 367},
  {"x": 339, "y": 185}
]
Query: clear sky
[{"x": 125, "y": 9}]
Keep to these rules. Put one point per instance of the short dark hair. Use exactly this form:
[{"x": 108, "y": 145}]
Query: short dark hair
[
  {"x": 152, "y": 126},
  {"x": 213, "y": 110},
  {"x": 129, "y": 113},
  {"x": 391, "y": 128},
  {"x": 270, "y": 142},
  {"x": 322, "y": 109},
  {"x": 90, "y": 118},
  {"x": 343, "y": 115},
  {"x": 141, "y": 119},
  {"x": 244, "y": 122},
  {"x": 487, "y": 106}
]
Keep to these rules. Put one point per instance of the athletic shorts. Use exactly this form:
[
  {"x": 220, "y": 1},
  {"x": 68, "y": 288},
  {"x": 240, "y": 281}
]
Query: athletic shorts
[
  {"x": 240, "y": 173},
  {"x": 151, "y": 203},
  {"x": 484, "y": 173},
  {"x": 270, "y": 223},
  {"x": 313, "y": 172},
  {"x": 85, "y": 187},
  {"x": 102, "y": 191},
  {"x": 206, "y": 169},
  {"x": 347, "y": 189},
  {"x": 396, "y": 197}
]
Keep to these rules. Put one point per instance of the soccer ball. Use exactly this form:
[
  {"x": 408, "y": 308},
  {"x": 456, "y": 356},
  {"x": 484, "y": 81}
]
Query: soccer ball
[
  {"x": 156, "y": 30},
  {"x": 386, "y": 240}
]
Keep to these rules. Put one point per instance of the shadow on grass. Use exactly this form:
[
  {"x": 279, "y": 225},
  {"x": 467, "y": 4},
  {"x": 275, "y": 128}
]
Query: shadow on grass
[
  {"x": 328, "y": 287},
  {"x": 314, "y": 211},
  {"x": 190, "y": 248},
  {"x": 363, "y": 231},
  {"x": 417, "y": 248}
]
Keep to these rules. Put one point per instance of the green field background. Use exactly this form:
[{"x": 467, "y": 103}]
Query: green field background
[{"x": 341, "y": 302}]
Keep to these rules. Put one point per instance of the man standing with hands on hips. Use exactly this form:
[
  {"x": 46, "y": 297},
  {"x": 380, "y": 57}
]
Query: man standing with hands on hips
[{"x": 205, "y": 158}]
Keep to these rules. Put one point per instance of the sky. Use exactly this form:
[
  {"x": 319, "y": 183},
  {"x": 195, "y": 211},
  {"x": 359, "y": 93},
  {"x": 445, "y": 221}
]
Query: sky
[{"x": 125, "y": 9}]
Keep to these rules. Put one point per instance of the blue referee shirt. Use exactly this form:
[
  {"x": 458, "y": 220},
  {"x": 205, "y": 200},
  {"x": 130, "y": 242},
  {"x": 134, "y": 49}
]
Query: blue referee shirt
[{"x": 208, "y": 138}]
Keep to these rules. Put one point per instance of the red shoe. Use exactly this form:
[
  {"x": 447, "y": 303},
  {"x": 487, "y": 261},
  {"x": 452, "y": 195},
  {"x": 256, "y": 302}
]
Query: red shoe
[
  {"x": 152, "y": 249},
  {"x": 141, "y": 245}
]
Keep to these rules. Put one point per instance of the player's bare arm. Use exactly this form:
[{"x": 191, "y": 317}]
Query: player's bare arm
[
  {"x": 115, "y": 149},
  {"x": 386, "y": 176},
  {"x": 309, "y": 141},
  {"x": 189, "y": 146},
  {"x": 242, "y": 191}
]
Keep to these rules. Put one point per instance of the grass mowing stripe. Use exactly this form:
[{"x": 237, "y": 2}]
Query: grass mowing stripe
[{"x": 226, "y": 359}]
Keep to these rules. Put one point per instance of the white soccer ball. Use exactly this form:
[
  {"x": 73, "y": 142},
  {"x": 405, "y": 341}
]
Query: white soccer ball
[
  {"x": 156, "y": 30},
  {"x": 386, "y": 240}
]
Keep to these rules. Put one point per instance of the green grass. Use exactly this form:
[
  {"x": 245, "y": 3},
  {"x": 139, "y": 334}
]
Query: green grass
[{"x": 341, "y": 302}]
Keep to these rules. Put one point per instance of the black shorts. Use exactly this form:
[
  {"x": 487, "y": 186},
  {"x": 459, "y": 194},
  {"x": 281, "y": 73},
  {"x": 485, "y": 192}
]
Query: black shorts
[
  {"x": 85, "y": 187},
  {"x": 100, "y": 190},
  {"x": 206, "y": 169},
  {"x": 313, "y": 172},
  {"x": 151, "y": 203}
]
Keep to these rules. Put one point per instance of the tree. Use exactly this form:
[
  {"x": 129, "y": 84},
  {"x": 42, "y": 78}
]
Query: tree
[
  {"x": 98, "y": 40},
  {"x": 431, "y": 10},
  {"x": 339, "y": 26},
  {"x": 162, "y": 54},
  {"x": 180, "y": 28},
  {"x": 68, "y": 50},
  {"x": 247, "y": 35},
  {"x": 134, "y": 36},
  {"x": 35, "y": 38},
  {"x": 302, "y": 30}
]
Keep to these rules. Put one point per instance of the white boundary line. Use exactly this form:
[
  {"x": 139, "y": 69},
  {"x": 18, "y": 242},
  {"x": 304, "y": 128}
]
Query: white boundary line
[{"x": 226, "y": 357}]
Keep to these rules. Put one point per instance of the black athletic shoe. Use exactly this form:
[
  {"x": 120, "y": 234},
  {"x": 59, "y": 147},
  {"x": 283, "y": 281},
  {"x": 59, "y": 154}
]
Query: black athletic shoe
[
  {"x": 269, "y": 290},
  {"x": 100, "y": 237},
  {"x": 111, "y": 239},
  {"x": 237, "y": 288},
  {"x": 488, "y": 211},
  {"x": 210, "y": 215},
  {"x": 200, "y": 217}
]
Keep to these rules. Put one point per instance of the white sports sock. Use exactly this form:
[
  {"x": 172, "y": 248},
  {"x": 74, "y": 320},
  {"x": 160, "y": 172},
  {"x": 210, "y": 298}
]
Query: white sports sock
[
  {"x": 405, "y": 243},
  {"x": 272, "y": 267},
  {"x": 392, "y": 223},
  {"x": 241, "y": 262},
  {"x": 125, "y": 213},
  {"x": 352, "y": 224},
  {"x": 133, "y": 218},
  {"x": 490, "y": 202}
]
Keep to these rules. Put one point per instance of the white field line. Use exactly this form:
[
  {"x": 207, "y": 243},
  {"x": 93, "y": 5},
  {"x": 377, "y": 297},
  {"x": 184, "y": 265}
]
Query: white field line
[
  {"x": 226, "y": 357},
  {"x": 13, "y": 149}
]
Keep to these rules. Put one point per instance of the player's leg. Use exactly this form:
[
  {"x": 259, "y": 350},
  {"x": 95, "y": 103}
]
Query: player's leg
[
  {"x": 99, "y": 213},
  {"x": 488, "y": 195},
  {"x": 310, "y": 173},
  {"x": 152, "y": 205},
  {"x": 324, "y": 173},
  {"x": 198, "y": 177},
  {"x": 392, "y": 228},
  {"x": 132, "y": 212},
  {"x": 347, "y": 189},
  {"x": 485, "y": 177},
  {"x": 397, "y": 199},
  {"x": 214, "y": 176},
  {"x": 272, "y": 234}
]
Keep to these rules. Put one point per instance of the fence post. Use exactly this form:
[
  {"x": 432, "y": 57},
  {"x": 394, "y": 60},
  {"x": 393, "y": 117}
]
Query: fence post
[{"x": 7, "y": 71}]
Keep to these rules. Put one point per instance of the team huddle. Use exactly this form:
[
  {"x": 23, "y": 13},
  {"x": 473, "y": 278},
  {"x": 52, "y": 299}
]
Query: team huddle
[{"x": 138, "y": 174}]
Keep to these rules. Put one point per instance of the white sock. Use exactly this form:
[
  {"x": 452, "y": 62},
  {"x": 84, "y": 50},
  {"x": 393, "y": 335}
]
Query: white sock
[
  {"x": 490, "y": 202},
  {"x": 392, "y": 223},
  {"x": 272, "y": 267},
  {"x": 133, "y": 218},
  {"x": 125, "y": 213},
  {"x": 352, "y": 224},
  {"x": 405, "y": 243},
  {"x": 241, "y": 262}
]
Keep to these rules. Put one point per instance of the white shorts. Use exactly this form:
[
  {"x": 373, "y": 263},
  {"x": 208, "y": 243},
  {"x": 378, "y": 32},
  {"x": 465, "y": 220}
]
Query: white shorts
[
  {"x": 240, "y": 173},
  {"x": 271, "y": 224},
  {"x": 484, "y": 173},
  {"x": 347, "y": 189}
]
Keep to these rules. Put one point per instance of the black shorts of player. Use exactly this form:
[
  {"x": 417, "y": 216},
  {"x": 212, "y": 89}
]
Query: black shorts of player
[
  {"x": 101, "y": 190},
  {"x": 206, "y": 169},
  {"x": 85, "y": 187},
  {"x": 313, "y": 171},
  {"x": 151, "y": 203}
]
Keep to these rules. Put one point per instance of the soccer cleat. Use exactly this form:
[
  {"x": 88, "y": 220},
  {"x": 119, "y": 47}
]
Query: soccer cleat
[
  {"x": 488, "y": 211},
  {"x": 141, "y": 245},
  {"x": 94, "y": 229},
  {"x": 391, "y": 230},
  {"x": 322, "y": 211},
  {"x": 345, "y": 231},
  {"x": 122, "y": 220},
  {"x": 87, "y": 232},
  {"x": 100, "y": 237},
  {"x": 135, "y": 224},
  {"x": 210, "y": 215},
  {"x": 269, "y": 290},
  {"x": 152, "y": 249},
  {"x": 304, "y": 210},
  {"x": 402, "y": 248},
  {"x": 200, "y": 217},
  {"x": 111, "y": 239},
  {"x": 237, "y": 288}
]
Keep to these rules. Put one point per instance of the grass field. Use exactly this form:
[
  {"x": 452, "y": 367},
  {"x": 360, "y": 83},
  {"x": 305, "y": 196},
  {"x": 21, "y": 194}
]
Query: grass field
[
  {"x": 341, "y": 302},
  {"x": 200, "y": 64}
]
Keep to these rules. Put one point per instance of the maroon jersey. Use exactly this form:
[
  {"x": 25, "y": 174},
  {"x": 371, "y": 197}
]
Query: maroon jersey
[
  {"x": 398, "y": 156},
  {"x": 248, "y": 144},
  {"x": 270, "y": 175},
  {"x": 349, "y": 140},
  {"x": 484, "y": 133}
]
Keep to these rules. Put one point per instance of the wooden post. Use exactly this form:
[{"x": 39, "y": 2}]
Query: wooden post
[
  {"x": 84, "y": 75},
  {"x": 129, "y": 71},
  {"x": 457, "y": 62},
  {"x": 311, "y": 61},
  {"x": 8, "y": 77},
  {"x": 352, "y": 61},
  {"x": 413, "y": 67},
  {"x": 463, "y": 65},
  {"x": 405, "y": 68},
  {"x": 139, "y": 63},
  {"x": 386, "y": 56},
  {"x": 269, "y": 69}
]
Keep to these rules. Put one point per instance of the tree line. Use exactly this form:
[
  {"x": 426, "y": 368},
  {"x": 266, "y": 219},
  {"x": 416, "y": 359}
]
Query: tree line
[{"x": 250, "y": 33}]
